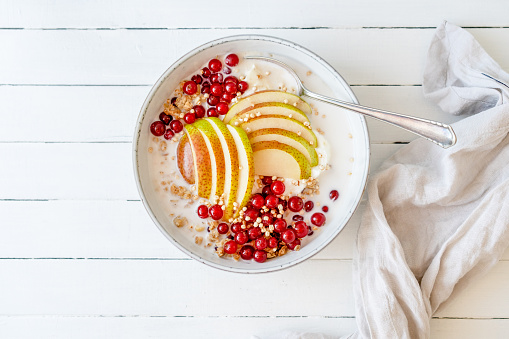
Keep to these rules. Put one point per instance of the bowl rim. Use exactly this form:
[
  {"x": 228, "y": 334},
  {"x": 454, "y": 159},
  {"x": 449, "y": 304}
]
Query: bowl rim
[{"x": 143, "y": 112}]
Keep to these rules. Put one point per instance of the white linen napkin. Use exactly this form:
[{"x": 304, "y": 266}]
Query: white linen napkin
[{"x": 437, "y": 219}]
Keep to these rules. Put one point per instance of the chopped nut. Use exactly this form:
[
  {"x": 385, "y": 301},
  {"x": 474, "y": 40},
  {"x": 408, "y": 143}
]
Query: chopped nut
[
  {"x": 199, "y": 228},
  {"x": 198, "y": 240},
  {"x": 180, "y": 221}
]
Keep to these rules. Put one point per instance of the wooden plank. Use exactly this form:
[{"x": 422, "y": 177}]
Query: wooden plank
[
  {"x": 188, "y": 288},
  {"x": 171, "y": 288},
  {"x": 139, "y": 57},
  {"x": 24, "y": 327},
  {"x": 87, "y": 171},
  {"x": 161, "y": 14},
  {"x": 108, "y": 113},
  {"x": 169, "y": 327}
]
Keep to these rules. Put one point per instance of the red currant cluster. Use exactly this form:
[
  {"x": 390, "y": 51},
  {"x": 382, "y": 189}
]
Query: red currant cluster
[
  {"x": 262, "y": 228},
  {"x": 211, "y": 81}
]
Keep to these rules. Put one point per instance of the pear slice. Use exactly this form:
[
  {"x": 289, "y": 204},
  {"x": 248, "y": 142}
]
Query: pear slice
[
  {"x": 280, "y": 122},
  {"x": 267, "y": 96},
  {"x": 288, "y": 138},
  {"x": 272, "y": 108},
  {"x": 185, "y": 160},
  {"x": 231, "y": 172},
  {"x": 201, "y": 159},
  {"x": 217, "y": 159},
  {"x": 275, "y": 158},
  {"x": 246, "y": 167}
]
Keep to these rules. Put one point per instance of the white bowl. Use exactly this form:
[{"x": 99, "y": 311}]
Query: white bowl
[{"x": 351, "y": 124}]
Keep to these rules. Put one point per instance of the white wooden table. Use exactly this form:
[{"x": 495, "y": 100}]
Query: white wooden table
[{"x": 79, "y": 256}]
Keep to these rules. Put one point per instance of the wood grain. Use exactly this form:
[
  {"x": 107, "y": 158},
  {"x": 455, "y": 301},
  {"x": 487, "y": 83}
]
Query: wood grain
[
  {"x": 139, "y": 57},
  {"x": 286, "y": 13}
]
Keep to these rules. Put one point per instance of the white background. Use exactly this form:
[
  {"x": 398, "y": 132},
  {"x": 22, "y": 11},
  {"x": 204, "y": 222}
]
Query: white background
[{"x": 79, "y": 256}]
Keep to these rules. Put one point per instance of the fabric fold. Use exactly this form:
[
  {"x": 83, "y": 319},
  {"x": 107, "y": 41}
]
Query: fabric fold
[{"x": 437, "y": 219}]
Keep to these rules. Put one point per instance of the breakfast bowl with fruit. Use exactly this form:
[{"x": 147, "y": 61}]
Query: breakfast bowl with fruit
[{"x": 238, "y": 171}]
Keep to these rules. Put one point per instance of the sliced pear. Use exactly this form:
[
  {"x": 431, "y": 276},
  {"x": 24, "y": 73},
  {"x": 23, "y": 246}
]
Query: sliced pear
[
  {"x": 185, "y": 160},
  {"x": 246, "y": 167},
  {"x": 275, "y": 158},
  {"x": 231, "y": 165},
  {"x": 269, "y": 108},
  {"x": 217, "y": 159},
  {"x": 267, "y": 96},
  {"x": 201, "y": 158},
  {"x": 280, "y": 122},
  {"x": 288, "y": 138}
]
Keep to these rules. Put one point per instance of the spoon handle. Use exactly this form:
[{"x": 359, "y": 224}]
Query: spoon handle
[{"x": 436, "y": 132}]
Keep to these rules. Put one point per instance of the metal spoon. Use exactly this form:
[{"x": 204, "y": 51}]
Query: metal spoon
[{"x": 437, "y": 132}]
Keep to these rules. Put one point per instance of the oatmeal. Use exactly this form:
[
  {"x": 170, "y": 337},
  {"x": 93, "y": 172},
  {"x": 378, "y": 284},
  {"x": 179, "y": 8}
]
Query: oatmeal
[{"x": 240, "y": 156}]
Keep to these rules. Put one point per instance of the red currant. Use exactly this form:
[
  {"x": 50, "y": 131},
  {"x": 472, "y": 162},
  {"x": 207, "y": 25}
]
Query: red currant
[
  {"x": 227, "y": 70},
  {"x": 237, "y": 227},
  {"x": 280, "y": 225},
  {"x": 254, "y": 232},
  {"x": 222, "y": 228},
  {"x": 216, "y": 89},
  {"x": 226, "y": 97},
  {"x": 278, "y": 187},
  {"x": 205, "y": 90},
  {"x": 242, "y": 86},
  {"x": 169, "y": 134},
  {"x": 241, "y": 238},
  {"x": 295, "y": 204},
  {"x": 308, "y": 206},
  {"x": 257, "y": 201},
  {"x": 212, "y": 112},
  {"x": 203, "y": 211},
  {"x": 157, "y": 128},
  {"x": 216, "y": 78},
  {"x": 294, "y": 244},
  {"x": 272, "y": 242},
  {"x": 212, "y": 100},
  {"x": 197, "y": 79},
  {"x": 216, "y": 212},
  {"x": 261, "y": 243},
  {"x": 288, "y": 236},
  {"x": 165, "y": 118},
  {"x": 301, "y": 229},
  {"x": 251, "y": 214},
  {"x": 267, "y": 180},
  {"x": 230, "y": 87},
  {"x": 297, "y": 217},
  {"x": 215, "y": 65},
  {"x": 231, "y": 60},
  {"x": 260, "y": 256},
  {"x": 205, "y": 72},
  {"x": 266, "y": 190},
  {"x": 246, "y": 252},
  {"x": 190, "y": 87},
  {"x": 199, "y": 111},
  {"x": 176, "y": 126},
  {"x": 271, "y": 201},
  {"x": 333, "y": 195},
  {"x": 318, "y": 219},
  {"x": 233, "y": 79},
  {"x": 189, "y": 118},
  {"x": 222, "y": 108},
  {"x": 325, "y": 209},
  {"x": 230, "y": 247}
]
